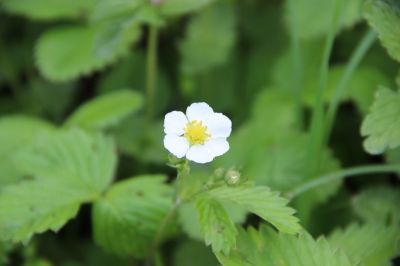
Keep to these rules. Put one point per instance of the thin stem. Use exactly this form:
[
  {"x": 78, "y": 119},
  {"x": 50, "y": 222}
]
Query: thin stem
[
  {"x": 354, "y": 171},
  {"x": 317, "y": 122},
  {"x": 359, "y": 53},
  {"x": 151, "y": 71}
]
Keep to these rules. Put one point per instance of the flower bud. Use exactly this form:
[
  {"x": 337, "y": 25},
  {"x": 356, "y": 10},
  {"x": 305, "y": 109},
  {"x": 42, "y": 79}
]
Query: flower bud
[{"x": 232, "y": 177}]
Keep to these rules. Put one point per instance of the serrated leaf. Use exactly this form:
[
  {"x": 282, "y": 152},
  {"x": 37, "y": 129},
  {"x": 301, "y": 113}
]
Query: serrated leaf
[
  {"x": 106, "y": 110},
  {"x": 17, "y": 132},
  {"x": 49, "y": 9},
  {"x": 299, "y": 12},
  {"x": 209, "y": 39},
  {"x": 69, "y": 52},
  {"x": 180, "y": 7},
  {"x": 382, "y": 125},
  {"x": 216, "y": 226},
  {"x": 67, "y": 169},
  {"x": 369, "y": 244},
  {"x": 127, "y": 219},
  {"x": 379, "y": 204},
  {"x": 267, "y": 247},
  {"x": 261, "y": 201},
  {"x": 384, "y": 17}
]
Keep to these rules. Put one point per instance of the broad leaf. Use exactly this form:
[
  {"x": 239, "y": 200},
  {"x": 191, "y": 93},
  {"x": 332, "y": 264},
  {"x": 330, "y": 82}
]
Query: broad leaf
[
  {"x": 216, "y": 226},
  {"x": 69, "y": 52},
  {"x": 384, "y": 17},
  {"x": 382, "y": 125},
  {"x": 180, "y": 7},
  {"x": 209, "y": 39},
  {"x": 67, "y": 169},
  {"x": 268, "y": 247},
  {"x": 106, "y": 110},
  {"x": 127, "y": 219},
  {"x": 379, "y": 204},
  {"x": 369, "y": 244},
  {"x": 49, "y": 9},
  {"x": 261, "y": 201},
  {"x": 17, "y": 132}
]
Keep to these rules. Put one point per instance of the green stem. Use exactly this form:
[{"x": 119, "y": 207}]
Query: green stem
[
  {"x": 354, "y": 171},
  {"x": 359, "y": 53},
  {"x": 151, "y": 71},
  {"x": 317, "y": 122}
]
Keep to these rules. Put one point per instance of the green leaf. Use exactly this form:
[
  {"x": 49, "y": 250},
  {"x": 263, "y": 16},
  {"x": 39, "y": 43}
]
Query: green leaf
[
  {"x": 69, "y": 52},
  {"x": 379, "y": 204},
  {"x": 382, "y": 125},
  {"x": 49, "y": 9},
  {"x": 67, "y": 169},
  {"x": 369, "y": 244},
  {"x": 106, "y": 110},
  {"x": 261, "y": 201},
  {"x": 17, "y": 132},
  {"x": 299, "y": 12},
  {"x": 216, "y": 226},
  {"x": 106, "y": 9},
  {"x": 384, "y": 17},
  {"x": 180, "y": 7},
  {"x": 127, "y": 219},
  {"x": 209, "y": 39},
  {"x": 268, "y": 247},
  {"x": 187, "y": 250}
]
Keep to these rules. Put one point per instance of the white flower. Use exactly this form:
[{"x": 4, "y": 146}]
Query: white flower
[{"x": 200, "y": 135}]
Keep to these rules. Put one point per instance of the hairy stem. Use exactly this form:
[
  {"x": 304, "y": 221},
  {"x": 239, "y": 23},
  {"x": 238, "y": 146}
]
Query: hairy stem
[
  {"x": 151, "y": 71},
  {"x": 358, "y": 54},
  {"x": 342, "y": 174}
]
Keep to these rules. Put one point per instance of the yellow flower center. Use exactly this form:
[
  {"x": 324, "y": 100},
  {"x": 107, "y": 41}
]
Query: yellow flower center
[{"x": 196, "y": 132}]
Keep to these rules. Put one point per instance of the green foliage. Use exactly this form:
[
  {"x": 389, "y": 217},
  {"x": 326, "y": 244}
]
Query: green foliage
[
  {"x": 267, "y": 247},
  {"x": 299, "y": 12},
  {"x": 381, "y": 126},
  {"x": 216, "y": 226},
  {"x": 127, "y": 219},
  {"x": 67, "y": 168},
  {"x": 106, "y": 9},
  {"x": 378, "y": 205},
  {"x": 369, "y": 244},
  {"x": 193, "y": 249},
  {"x": 261, "y": 201},
  {"x": 384, "y": 17},
  {"x": 209, "y": 40},
  {"x": 49, "y": 9},
  {"x": 17, "y": 132},
  {"x": 180, "y": 7},
  {"x": 107, "y": 110},
  {"x": 68, "y": 52}
]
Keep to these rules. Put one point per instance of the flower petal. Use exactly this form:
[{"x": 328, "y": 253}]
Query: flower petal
[
  {"x": 174, "y": 123},
  {"x": 199, "y": 154},
  {"x": 199, "y": 112},
  {"x": 219, "y": 126},
  {"x": 217, "y": 146},
  {"x": 176, "y": 145}
]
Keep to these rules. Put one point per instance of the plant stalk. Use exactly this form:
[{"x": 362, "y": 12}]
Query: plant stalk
[{"x": 151, "y": 72}]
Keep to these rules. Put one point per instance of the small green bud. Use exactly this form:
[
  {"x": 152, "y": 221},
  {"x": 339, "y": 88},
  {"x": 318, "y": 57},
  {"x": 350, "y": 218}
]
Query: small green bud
[
  {"x": 232, "y": 177},
  {"x": 219, "y": 173}
]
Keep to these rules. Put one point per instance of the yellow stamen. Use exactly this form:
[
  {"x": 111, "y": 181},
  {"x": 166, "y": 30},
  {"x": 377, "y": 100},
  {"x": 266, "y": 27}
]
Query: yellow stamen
[{"x": 196, "y": 132}]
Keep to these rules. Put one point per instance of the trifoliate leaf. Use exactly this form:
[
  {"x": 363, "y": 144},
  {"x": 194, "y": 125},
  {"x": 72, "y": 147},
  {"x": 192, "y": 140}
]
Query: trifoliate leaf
[
  {"x": 106, "y": 110},
  {"x": 68, "y": 52},
  {"x": 216, "y": 226},
  {"x": 261, "y": 201},
  {"x": 209, "y": 39},
  {"x": 268, "y": 247},
  {"x": 369, "y": 244},
  {"x": 180, "y": 7},
  {"x": 379, "y": 204},
  {"x": 127, "y": 219},
  {"x": 382, "y": 125},
  {"x": 67, "y": 169},
  {"x": 384, "y": 17},
  {"x": 49, "y": 9},
  {"x": 17, "y": 132},
  {"x": 299, "y": 12}
]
